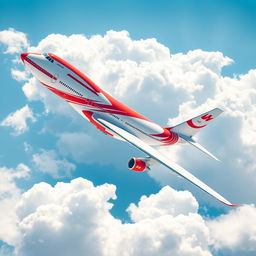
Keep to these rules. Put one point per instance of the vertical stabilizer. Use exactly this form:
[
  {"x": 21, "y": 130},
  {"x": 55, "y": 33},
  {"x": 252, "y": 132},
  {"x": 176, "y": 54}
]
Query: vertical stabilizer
[{"x": 194, "y": 125}]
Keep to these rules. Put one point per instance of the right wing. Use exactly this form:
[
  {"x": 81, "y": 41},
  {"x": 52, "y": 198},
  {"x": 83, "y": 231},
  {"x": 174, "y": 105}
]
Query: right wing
[{"x": 162, "y": 159}]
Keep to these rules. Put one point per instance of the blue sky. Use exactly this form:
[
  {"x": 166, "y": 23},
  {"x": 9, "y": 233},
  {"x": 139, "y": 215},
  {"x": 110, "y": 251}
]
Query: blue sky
[
  {"x": 226, "y": 26},
  {"x": 212, "y": 26}
]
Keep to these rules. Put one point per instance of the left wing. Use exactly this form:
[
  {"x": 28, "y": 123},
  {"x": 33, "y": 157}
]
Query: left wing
[{"x": 162, "y": 159}]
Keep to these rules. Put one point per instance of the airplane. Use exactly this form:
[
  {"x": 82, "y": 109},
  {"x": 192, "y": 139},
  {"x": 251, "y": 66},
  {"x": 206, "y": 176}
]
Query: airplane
[{"x": 117, "y": 120}]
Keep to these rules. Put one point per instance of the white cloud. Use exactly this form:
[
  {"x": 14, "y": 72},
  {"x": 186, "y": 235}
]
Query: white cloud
[
  {"x": 14, "y": 40},
  {"x": 34, "y": 92},
  {"x": 27, "y": 147},
  {"x": 69, "y": 218},
  {"x": 9, "y": 196},
  {"x": 235, "y": 231},
  {"x": 92, "y": 146},
  {"x": 74, "y": 219},
  {"x": 47, "y": 161},
  {"x": 166, "y": 202},
  {"x": 19, "y": 75},
  {"x": 18, "y": 120}
]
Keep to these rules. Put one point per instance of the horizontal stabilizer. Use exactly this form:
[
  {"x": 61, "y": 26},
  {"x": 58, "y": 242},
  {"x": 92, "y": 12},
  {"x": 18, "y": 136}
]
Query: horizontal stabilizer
[{"x": 198, "y": 146}]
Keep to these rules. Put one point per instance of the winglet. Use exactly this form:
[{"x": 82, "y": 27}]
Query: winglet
[{"x": 232, "y": 205}]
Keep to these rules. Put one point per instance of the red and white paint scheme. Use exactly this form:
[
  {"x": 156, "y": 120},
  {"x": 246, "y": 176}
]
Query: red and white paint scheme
[{"x": 117, "y": 120}]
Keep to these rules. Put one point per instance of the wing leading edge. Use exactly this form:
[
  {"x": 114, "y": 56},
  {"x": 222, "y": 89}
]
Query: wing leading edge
[{"x": 163, "y": 160}]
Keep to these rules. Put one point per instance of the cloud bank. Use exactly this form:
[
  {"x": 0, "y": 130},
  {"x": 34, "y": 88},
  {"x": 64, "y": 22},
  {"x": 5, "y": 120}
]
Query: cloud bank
[{"x": 75, "y": 219}]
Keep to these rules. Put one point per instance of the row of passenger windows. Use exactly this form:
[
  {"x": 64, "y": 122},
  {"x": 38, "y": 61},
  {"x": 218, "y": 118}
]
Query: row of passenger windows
[
  {"x": 48, "y": 57},
  {"x": 70, "y": 88}
]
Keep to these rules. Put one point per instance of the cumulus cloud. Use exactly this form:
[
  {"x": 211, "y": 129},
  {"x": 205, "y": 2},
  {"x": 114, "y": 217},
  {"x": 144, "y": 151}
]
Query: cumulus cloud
[
  {"x": 18, "y": 120},
  {"x": 47, "y": 161},
  {"x": 9, "y": 195},
  {"x": 90, "y": 146},
  {"x": 235, "y": 231},
  {"x": 52, "y": 103},
  {"x": 75, "y": 219},
  {"x": 166, "y": 202},
  {"x": 19, "y": 75},
  {"x": 15, "y": 41}
]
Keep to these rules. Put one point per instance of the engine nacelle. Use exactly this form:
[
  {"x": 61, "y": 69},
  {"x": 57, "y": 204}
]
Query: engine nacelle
[{"x": 138, "y": 164}]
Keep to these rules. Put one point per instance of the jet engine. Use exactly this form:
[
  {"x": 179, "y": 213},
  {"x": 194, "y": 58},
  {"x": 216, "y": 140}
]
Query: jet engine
[{"x": 138, "y": 164}]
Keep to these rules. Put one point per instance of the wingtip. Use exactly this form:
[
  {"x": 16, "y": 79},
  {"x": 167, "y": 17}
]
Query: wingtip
[
  {"x": 219, "y": 109},
  {"x": 226, "y": 202},
  {"x": 231, "y": 205},
  {"x": 217, "y": 159}
]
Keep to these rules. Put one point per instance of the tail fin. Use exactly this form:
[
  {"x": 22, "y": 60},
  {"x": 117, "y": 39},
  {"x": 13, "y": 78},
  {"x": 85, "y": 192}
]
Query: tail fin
[{"x": 192, "y": 126}]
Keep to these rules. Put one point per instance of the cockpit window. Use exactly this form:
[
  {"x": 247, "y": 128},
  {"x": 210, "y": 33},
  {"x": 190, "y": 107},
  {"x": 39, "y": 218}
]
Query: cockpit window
[{"x": 48, "y": 57}]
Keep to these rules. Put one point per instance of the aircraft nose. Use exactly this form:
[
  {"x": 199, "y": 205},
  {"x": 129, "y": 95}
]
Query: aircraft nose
[
  {"x": 32, "y": 55},
  {"x": 24, "y": 55}
]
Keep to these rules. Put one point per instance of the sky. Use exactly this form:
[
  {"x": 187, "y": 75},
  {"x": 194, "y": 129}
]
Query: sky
[{"x": 65, "y": 187}]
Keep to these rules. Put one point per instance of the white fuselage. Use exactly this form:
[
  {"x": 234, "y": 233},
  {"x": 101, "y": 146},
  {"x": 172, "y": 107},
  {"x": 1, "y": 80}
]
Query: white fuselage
[{"x": 91, "y": 101}]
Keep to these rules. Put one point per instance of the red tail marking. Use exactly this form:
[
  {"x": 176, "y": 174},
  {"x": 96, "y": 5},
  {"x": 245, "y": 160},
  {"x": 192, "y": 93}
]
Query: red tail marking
[
  {"x": 190, "y": 123},
  {"x": 207, "y": 117}
]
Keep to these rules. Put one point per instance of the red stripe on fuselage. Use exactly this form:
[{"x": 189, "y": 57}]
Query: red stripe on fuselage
[
  {"x": 89, "y": 115},
  {"x": 66, "y": 96},
  {"x": 94, "y": 87},
  {"x": 38, "y": 67},
  {"x": 84, "y": 85},
  {"x": 115, "y": 104},
  {"x": 167, "y": 137},
  {"x": 85, "y": 102}
]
